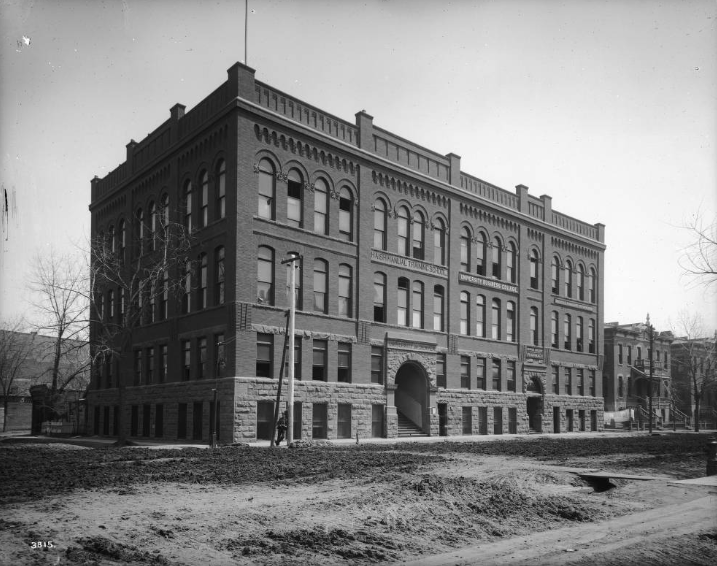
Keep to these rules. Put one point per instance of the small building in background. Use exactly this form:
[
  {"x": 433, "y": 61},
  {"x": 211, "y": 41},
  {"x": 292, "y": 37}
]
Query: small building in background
[{"x": 695, "y": 360}]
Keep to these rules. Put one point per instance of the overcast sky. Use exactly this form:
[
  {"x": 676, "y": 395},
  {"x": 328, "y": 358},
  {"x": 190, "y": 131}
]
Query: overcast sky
[{"x": 608, "y": 107}]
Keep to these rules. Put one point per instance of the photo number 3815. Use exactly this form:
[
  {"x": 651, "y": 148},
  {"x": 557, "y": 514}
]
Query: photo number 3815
[{"x": 42, "y": 544}]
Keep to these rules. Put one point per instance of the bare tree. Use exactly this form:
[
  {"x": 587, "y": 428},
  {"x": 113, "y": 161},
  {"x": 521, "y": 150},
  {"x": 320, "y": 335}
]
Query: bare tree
[
  {"x": 15, "y": 348},
  {"x": 699, "y": 259},
  {"x": 693, "y": 360},
  {"x": 61, "y": 287},
  {"x": 131, "y": 287}
]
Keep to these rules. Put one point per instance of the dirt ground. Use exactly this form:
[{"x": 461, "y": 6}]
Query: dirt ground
[{"x": 512, "y": 502}]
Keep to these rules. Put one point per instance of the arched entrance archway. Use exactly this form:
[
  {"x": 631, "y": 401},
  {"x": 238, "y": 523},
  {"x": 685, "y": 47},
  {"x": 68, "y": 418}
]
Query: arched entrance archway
[
  {"x": 412, "y": 396},
  {"x": 534, "y": 391}
]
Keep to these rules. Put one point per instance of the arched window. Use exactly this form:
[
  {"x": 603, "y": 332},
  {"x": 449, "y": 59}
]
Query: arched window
[
  {"x": 111, "y": 244},
  {"x": 439, "y": 242},
  {"x": 579, "y": 333},
  {"x": 320, "y": 285},
  {"x": 267, "y": 189},
  {"x": 265, "y": 276},
  {"x": 402, "y": 302},
  {"x": 481, "y": 244},
  {"x": 555, "y": 276},
  {"x": 417, "y": 305},
  {"x": 345, "y": 290},
  {"x": 379, "y": 224},
  {"x": 496, "y": 257},
  {"x": 591, "y": 337},
  {"x": 465, "y": 249},
  {"x": 164, "y": 213},
  {"x": 139, "y": 232},
  {"x": 164, "y": 297},
  {"x": 534, "y": 270},
  {"x": 510, "y": 321},
  {"x": 152, "y": 232},
  {"x": 321, "y": 207},
  {"x": 567, "y": 332},
  {"x": 581, "y": 283},
  {"x": 294, "y": 193},
  {"x": 221, "y": 193},
  {"x": 554, "y": 340},
  {"x": 298, "y": 276},
  {"x": 510, "y": 262},
  {"x": 202, "y": 288},
  {"x": 346, "y": 214},
  {"x": 219, "y": 275},
  {"x": 418, "y": 235},
  {"x": 438, "y": 308},
  {"x": 495, "y": 320},
  {"x": 591, "y": 285},
  {"x": 403, "y": 231},
  {"x": 187, "y": 288},
  {"x": 465, "y": 312},
  {"x": 379, "y": 297},
  {"x": 480, "y": 316},
  {"x": 203, "y": 199},
  {"x": 122, "y": 240},
  {"x": 187, "y": 205},
  {"x": 568, "y": 279},
  {"x": 534, "y": 327}
]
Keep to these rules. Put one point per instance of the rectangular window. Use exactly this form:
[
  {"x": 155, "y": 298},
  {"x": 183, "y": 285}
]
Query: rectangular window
[
  {"x": 581, "y": 382},
  {"x": 146, "y": 415},
  {"x": 377, "y": 421},
  {"x": 629, "y": 355},
  {"x": 345, "y": 214},
  {"x": 568, "y": 382},
  {"x": 197, "y": 419},
  {"x": 482, "y": 420},
  {"x": 149, "y": 358},
  {"x": 480, "y": 373},
  {"x": 465, "y": 372},
  {"x": 186, "y": 360},
  {"x": 159, "y": 421},
  {"x": 591, "y": 382},
  {"x": 318, "y": 372},
  {"x": 319, "y": 421},
  {"x": 202, "y": 348},
  {"x": 570, "y": 420},
  {"x": 344, "y": 421},
  {"x": 567, "y": 332},
  {"x": 264, "y": 354},
  {"x": 497, "y": 420},
  {"x": 345, "y": 291},
  {"x": 438, "y": 308},
  {"x": 344, "y": 363},
  {"x": 377, "y": 364},
  {"x": 467, "y": 420},
  {"x": 496, "y": 375},
  {"x": 510, "y": 367},
  {"x": 619, "y": 354},
  {"x": 134, "y": 421},
  {"x": 181, "y": 421},
  {"x": 264, "y": 419},
  {"x": 512, "y": 420},
  {"x": 163, "y": 361},
  {"x": 441, "y": 370},
  {"x": 556, "y": 380},
  {"x": 138, "y": 367},
  {"x": 402, "y": 302},
  {"x": 204, "y": 202},
  {"x": 320, "y": 198},
  {"x": 581, "y": 419}
]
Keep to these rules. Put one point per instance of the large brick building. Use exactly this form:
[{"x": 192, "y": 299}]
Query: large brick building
[
  {"x": 626, "y": 372},
  {"x": 424, "y": 293}
]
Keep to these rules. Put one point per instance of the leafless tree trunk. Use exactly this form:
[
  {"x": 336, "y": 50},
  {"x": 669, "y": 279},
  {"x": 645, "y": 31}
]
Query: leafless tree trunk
[
  {"x": 694, "y": 356},
  {"x": 130, "y": 287},
  {"x": 15, "y": 349},
  {"x": 61, "y": 284}
]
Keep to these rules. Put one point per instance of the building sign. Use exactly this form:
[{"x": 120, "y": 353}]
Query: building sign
[
  {"x": 402, "y": 341},
  {"x": 534, "y": 355},
  {"x": 479, "y": 281},
  {"x": 408, "y": 262},
  {"x": 573, "y": 304}
]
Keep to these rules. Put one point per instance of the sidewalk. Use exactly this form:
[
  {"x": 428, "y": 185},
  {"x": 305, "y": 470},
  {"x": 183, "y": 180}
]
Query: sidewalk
[{"x": 106, "y": 442}]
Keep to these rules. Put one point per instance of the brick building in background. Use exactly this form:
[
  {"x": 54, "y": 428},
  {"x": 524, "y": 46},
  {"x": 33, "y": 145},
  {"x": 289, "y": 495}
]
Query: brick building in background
[
  {"x": 425, "y": 294},
  {"x": 626, "y": 373}
]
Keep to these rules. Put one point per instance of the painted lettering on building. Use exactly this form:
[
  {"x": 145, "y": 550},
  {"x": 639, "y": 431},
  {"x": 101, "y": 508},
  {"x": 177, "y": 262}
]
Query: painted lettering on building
[
  {"x": 408, "y": 262},
  {"x": 485, "y": 282}
]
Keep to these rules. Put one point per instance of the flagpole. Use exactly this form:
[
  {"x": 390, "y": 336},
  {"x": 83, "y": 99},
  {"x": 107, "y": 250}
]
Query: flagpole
[{"x": 246, "y": 31}]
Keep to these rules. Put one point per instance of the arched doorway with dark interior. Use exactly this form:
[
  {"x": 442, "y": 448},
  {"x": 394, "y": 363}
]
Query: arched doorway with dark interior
[{"x": 412, "y": 399}]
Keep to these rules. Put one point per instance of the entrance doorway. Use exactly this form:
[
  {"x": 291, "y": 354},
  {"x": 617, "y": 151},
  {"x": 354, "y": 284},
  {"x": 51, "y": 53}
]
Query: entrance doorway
[
  {"x": 411, "y": 399},
  {"x": 535, "y": 417}
]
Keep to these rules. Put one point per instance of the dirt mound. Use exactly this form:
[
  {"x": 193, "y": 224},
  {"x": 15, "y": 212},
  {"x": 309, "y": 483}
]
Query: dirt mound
[{"x": 94, "y": 549}]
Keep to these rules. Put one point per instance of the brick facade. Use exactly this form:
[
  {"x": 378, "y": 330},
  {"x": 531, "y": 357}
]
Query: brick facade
[{"x": 399, "y": 249}]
